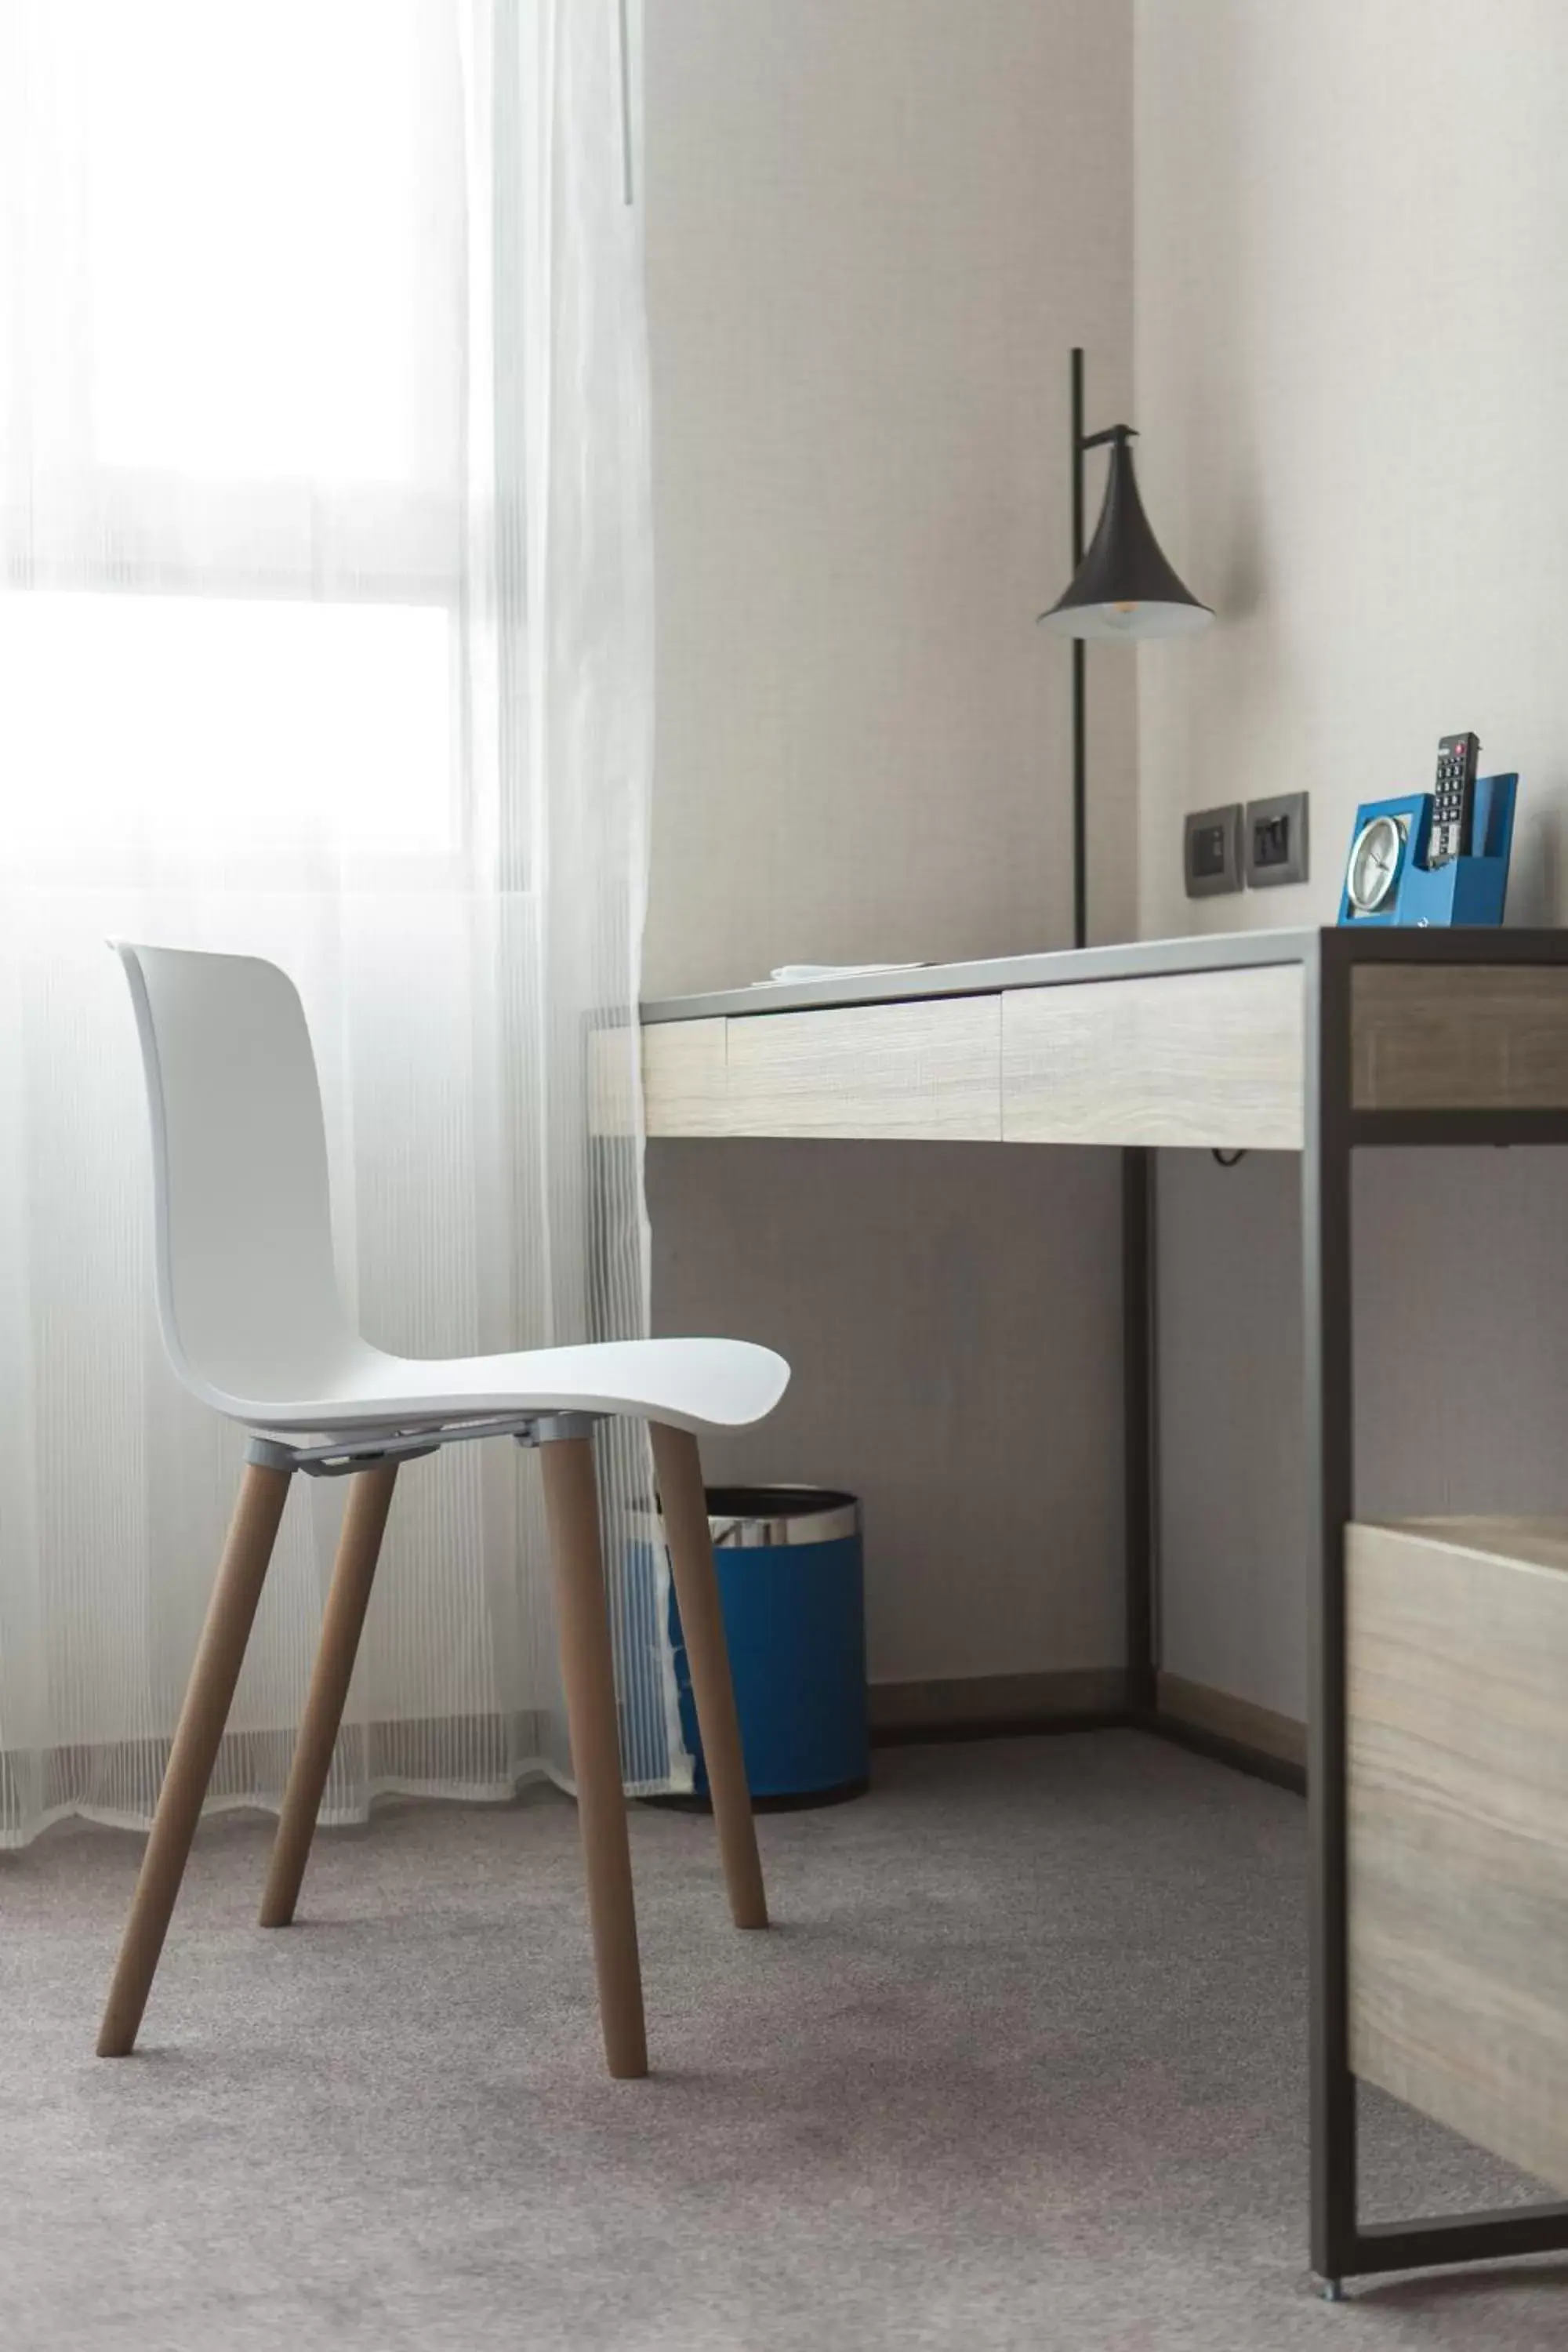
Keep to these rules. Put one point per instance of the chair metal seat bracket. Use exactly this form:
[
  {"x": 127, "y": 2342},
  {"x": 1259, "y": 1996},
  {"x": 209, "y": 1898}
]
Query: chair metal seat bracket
[{"x": 363, "y": 1447}]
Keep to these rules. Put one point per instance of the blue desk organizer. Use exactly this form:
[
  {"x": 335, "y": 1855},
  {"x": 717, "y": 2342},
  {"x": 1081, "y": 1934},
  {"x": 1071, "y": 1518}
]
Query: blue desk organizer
[{"x": 1468, "y": 889}]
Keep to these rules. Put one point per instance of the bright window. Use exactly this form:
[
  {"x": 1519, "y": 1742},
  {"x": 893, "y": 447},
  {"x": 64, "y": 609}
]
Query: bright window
[
  {"x": 231, "y": 396},
  {"x": 223, "y": 723}
]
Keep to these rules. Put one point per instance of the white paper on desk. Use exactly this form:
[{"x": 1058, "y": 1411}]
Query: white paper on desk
[{"x": 796, "y": 972}]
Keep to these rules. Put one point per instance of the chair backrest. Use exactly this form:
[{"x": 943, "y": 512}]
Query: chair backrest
[{"x": 248, "y": 1290}]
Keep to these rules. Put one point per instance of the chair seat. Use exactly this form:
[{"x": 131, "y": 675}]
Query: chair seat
[{"x": 691, "y": 1385}]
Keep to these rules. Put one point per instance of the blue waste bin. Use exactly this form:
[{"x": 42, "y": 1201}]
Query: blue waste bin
[{"x": 792, "y": 1586}]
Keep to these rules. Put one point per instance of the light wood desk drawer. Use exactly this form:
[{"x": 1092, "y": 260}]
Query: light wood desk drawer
[
  {"x": 1458, "y": 1659},
  {"x": 684, "y": 1077},
  {"x": 1459, "y": 1037},
  {"x": 1195, "y": 1059},
  {"x": 928, "y": 1070}
]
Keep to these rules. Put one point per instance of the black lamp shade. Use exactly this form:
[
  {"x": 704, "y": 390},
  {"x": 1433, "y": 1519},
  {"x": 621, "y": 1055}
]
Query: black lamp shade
[{"x": 1124, "y": 587}]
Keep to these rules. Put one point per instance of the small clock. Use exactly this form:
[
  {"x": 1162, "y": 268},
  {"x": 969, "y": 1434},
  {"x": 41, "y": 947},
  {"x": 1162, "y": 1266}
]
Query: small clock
[{"x": 1376, "y": 855}]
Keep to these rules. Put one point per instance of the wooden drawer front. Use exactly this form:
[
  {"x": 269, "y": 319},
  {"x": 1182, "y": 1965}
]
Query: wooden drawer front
[
  {"x": 930, "y": 1069},
  {"x": 1459, "y": 1037},
  {"x": 683, "y": 1077},
  {"x": 1457, "y": 1657},
  {"x": 1195, "y": 1059}
]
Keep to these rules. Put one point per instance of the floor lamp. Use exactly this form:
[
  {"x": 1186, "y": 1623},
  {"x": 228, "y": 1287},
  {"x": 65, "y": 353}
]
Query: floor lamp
[{"x": 1123, "y": 588}]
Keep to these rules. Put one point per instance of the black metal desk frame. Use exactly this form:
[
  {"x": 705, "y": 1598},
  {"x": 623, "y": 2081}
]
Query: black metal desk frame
[{"x": 1343, "y": 2247}]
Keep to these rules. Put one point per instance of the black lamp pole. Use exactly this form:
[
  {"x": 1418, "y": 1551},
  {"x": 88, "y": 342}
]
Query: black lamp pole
[{"x": 1079, "y": 683}]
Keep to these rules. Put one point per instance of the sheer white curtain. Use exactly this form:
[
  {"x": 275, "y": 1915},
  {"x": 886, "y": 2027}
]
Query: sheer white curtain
[{"x": 324, "y": 634}]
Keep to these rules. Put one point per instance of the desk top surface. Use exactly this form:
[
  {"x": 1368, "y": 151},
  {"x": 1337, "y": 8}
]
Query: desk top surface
[
  {"x": 1218, "y": 950},
  {"x": 1213, "y": 951}
]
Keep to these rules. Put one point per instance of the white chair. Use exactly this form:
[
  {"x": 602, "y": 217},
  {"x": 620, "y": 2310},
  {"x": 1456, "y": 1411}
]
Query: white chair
[{"x": 253, "y": 1318}]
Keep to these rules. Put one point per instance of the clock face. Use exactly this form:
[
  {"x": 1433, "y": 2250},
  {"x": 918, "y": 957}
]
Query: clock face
[{"x": 1374, "y": 863}]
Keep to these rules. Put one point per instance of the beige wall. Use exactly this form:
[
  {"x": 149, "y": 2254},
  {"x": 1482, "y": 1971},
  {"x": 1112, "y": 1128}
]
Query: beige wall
[
  {"x": 875, "y": 227},
  {"x": 1461, "y": 1380},
  {"x": 875, "y": 230},
  {"x": 953, "y": 1365},
  {"x": 1352, "y": 337},
  {"x": 1352, "y": 343}
]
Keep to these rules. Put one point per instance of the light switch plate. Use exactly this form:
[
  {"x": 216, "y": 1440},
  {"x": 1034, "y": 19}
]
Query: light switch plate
[
  {"x": 1276, "y": 840},
  {"x": 1212, "y": 854}
]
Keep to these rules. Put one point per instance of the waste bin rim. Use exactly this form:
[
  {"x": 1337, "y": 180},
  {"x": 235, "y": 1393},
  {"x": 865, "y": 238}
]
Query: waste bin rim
[
  {"x": 760, "y": 1518},
  {"x": 770, "y": 1517}
]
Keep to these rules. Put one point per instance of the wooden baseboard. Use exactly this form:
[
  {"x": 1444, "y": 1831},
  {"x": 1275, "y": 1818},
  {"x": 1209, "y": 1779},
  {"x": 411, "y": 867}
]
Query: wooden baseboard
[
  {"x": 1241, "y": 1721},
  {"x": 979, "y": 1706},
  {"x": 973, "y": 1706}
]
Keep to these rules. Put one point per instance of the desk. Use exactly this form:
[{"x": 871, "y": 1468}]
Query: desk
[{"x": 1310, "y": 1041}]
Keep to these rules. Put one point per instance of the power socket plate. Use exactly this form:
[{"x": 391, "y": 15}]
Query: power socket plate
[
  {"x": 1211, "y": 857},
  {"x": 1274, "y": 835}
]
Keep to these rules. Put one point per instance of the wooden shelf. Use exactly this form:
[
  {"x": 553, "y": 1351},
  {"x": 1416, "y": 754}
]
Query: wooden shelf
[{"x": 1457, "y": 1699}]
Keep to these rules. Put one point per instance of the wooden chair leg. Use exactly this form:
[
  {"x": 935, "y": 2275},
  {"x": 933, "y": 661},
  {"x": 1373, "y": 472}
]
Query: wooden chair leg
[
  {"x": 587, "y": 1672},
  {"x": 684, "y": 1505},
  {"x": 354, "y": 1573},
  {"x": 210, "y": 1693}
]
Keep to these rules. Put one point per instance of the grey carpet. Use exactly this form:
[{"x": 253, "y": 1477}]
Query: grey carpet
[{"x": 1021, "y": 2065}]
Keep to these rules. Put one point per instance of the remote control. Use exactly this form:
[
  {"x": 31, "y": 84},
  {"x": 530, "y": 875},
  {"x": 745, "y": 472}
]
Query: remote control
[{"x": 1452, "y": 799}]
